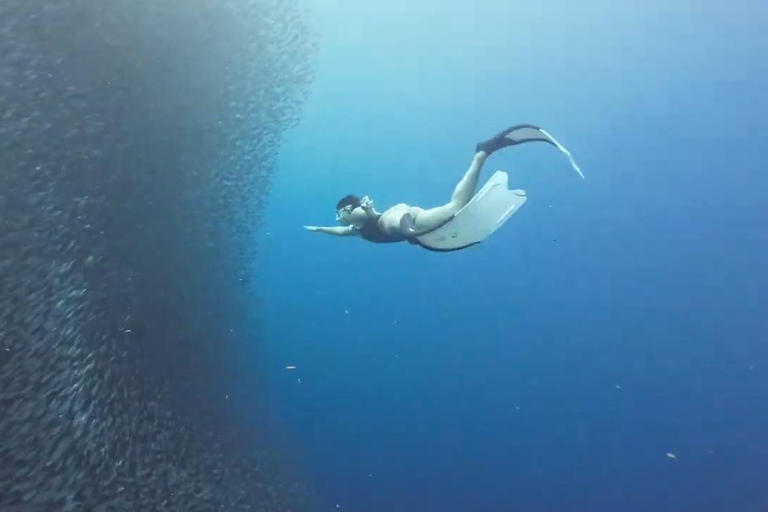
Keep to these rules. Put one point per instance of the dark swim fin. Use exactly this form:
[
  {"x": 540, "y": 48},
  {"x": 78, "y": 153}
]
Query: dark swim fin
[
  {"x": 512, "y": 136},
  {"x": 520, "y": 134}
]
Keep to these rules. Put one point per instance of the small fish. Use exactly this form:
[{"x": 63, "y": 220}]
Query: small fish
[{"x": 671, "y": 455}]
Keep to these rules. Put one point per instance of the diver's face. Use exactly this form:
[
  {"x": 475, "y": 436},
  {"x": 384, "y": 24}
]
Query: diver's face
[{"x": 349, "y": 216}]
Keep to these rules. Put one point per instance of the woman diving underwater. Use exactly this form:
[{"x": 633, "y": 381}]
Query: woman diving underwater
[{"x": 490, "y": 207}]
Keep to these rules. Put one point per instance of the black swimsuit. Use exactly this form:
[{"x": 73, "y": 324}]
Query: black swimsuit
[{"x": 372, "y": 232}]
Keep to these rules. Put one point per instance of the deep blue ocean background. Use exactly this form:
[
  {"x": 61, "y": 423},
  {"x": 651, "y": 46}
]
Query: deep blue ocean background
[
  {"x": 171, "y": 338},
  {"x": 613, "y": 321}
]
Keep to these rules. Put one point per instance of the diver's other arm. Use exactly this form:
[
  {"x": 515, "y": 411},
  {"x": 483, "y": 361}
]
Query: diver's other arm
[
  {"x": 335, "y": 230},
  {"x": 367, "y": 205}
]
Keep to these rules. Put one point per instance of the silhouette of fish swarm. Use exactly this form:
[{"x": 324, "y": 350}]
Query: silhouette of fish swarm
[{"x": 137, "y": 142}]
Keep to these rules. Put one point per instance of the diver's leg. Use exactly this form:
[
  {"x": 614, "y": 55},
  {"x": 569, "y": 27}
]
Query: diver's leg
[
  {"x": 465, "y": 189},
  {"x": 426, "y": 220},
  {"x": 420, "y": 221}
]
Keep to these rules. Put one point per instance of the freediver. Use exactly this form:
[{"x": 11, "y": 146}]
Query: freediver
[{"x": 403, "y": 222}]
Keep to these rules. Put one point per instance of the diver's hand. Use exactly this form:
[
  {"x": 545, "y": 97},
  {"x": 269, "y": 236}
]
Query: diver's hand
[
  {"x": 366, "y": 203},
  {"x": 311, "y": 228}
]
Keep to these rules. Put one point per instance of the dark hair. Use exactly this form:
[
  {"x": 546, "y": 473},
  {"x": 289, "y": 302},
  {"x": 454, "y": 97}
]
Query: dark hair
[{"x": 350, "y": 200}]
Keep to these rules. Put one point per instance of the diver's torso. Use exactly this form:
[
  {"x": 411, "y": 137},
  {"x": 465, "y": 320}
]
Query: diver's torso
[{"x": 374, "y": 230}]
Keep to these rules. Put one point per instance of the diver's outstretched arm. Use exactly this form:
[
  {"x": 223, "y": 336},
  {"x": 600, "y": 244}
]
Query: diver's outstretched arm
[{"x": 335, "y": 230}]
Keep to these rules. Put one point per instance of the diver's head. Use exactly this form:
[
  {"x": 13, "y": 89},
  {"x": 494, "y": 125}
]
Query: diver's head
[{"x": 348, "y": 211}]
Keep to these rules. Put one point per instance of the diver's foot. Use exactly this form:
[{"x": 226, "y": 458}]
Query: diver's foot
[{"x": 499, "y": 141}]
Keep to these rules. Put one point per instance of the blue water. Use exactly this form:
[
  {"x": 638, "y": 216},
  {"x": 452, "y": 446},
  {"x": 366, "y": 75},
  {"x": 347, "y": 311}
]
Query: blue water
[{"x": 613, "y": 321}]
